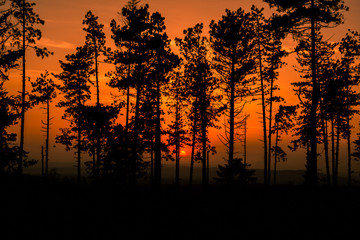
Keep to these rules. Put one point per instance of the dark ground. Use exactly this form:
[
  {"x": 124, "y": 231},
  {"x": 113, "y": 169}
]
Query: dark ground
[{"x": 36, "y": 209}]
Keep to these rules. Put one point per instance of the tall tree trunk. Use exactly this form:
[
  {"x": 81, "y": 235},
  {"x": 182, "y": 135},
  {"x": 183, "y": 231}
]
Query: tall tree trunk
[
  {"x": 245, "y": 131},
  {"x": 158, "y": 138},
  {"x": 23, "y": 93},
  {"x": 270, "y": 126},
  {"x": 348, "y": 135},
  {"x": 79, "y": 135},
  {"x": 194, "y": 131},
  {"x": 177, "y": 144},
  {"x": 276, "y": 154},
  {"x": 263, "y": 116},
  {"x": 203, "y": 135},
  {"x": 232, "y": 119},
  {"x": 47, "y": 138},
  {"x": 133, "y": 163},
  {"x": 333, "y": 150},
  {"x": 337, "y": 152},
  {"x": 326, "y": 149},
  {"x": 311, "y": 165},
  {"x": 98, "y": 143}
]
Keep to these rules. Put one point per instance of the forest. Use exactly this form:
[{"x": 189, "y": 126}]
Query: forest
[{"x": 171, "y": 101}]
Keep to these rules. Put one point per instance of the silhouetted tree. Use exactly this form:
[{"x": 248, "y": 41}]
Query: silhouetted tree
[
  {"x": 200, "y": 86},
  {"x": 98, "y": 125},
  {"x": 9, "y": 54},
  {"x": 9, "y": 115},
  {"x": 269, "y": 51},
  {"x": 284, "y": 122},
  {"x": 350, "y": 50},
  {"x": 232, "y": 40},
  {"x": 131, "y": 59},
  {"x": 75, "y": 77},
  {"x": 25, "y": 36},
  {"x": 303, "y": 17},
  {"x": 238, "y": 173},
  {"x": 44, "y": 91},
  {"x": 178, "y": 135}
]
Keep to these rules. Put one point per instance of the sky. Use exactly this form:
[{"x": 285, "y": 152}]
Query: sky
[{"x": 62, "y": 33}]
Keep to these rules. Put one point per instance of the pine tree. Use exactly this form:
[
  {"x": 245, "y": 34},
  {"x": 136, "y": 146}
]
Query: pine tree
[
  {"x": 95, "y": 42},
  {"x": 44, "y": 92},
  {"x": 24, "y": 37},
  {"x": 302, "y": 18},
  {"x": 200, "y": 86},
  {"x": 350, "y": 50},
  {"x": 130, "y": 60},
  {"x": 75, "y": 77},
  {"x": 232, "y": 41}
]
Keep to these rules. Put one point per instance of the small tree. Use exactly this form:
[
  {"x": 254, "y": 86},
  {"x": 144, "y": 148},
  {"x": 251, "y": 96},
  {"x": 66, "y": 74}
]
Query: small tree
[{"x": 44, "y": 92}]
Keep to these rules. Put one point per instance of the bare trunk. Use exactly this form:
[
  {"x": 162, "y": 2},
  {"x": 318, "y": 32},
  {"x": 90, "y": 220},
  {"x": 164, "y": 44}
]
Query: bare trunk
[
  {"x": 326, "y": 149},
  {"x": 263, "y": 117},
  {"x": 337, "y": 153},
  {"x": 276, "y": 155},
  {"x": 22, "y": 127},
  {"x": 204, "y": 137},
  {"x": 333, "y": 151},
  {"x": 157, "y": 173},
  {"x": 232, "y": 118},
  {"x": 47, "y": 138},
  {"x": 270, "y": 126},
  {"x": 311, "y": 165},
  {"x": 194, "y": 130}
]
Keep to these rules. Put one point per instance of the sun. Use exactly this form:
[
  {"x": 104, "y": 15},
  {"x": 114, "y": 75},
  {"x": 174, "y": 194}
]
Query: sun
[{"x": 182, "y": 153}]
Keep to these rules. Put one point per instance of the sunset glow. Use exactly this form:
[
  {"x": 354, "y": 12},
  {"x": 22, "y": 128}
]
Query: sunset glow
[{"x": 62, "y": 33}]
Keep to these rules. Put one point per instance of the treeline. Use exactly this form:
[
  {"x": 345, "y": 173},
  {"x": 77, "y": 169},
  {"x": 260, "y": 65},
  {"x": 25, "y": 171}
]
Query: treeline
[{"x": 211, "y": 78}]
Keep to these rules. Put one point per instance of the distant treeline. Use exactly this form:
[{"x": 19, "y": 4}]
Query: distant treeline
[{"x": 211, "y": 79}]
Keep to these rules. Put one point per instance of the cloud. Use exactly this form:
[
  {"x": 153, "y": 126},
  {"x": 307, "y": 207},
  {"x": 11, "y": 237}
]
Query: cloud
[{"x": 56, "y": 44}]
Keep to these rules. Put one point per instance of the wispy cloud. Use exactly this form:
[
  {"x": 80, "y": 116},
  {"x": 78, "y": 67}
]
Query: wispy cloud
[{"x": 56, "y": 44}]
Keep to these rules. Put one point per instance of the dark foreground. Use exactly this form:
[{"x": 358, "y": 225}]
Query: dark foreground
[{"x": 35, "y": 209}]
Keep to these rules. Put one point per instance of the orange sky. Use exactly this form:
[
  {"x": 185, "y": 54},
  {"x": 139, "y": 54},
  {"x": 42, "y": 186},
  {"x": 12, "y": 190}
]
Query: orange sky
[{"x": 63, "y": 32}]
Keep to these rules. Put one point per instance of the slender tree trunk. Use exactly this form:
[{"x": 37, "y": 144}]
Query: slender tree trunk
[
  {"x": 98, "y": 143},
  {"x": 333, "y": 150},
  {"x": 208, "y": 167},
  {"x": 311, "y": 165},
  {"x": 245, "y": 131},
  {"x": 337, "y": 152},
  {"x": 270, "y": 126},
  {"x": 232, "y": 119},
  {"x": 194, "y": 131},
  {"x": 47, "y": 138},
  {"x": 177, "y": 143},
  {"x": 263, "y": 117},
  {"x": 152, "y": 162},
  {"x": 348, "y": 126},
  {"x": 23, "y": 93},
  {"x": 79, "y": 135},
  {"x": 127, "y": 108},
  {"x": 326, "y": 149},
  {"x": 204, "y": 137},
  {"x": 158, "y": 138},
  {"x": 349, "y": 151},
  {"x": 276, "y": 154},
  {"x": 79, "y": 155},
  {"x": 136, "y": 138}
]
